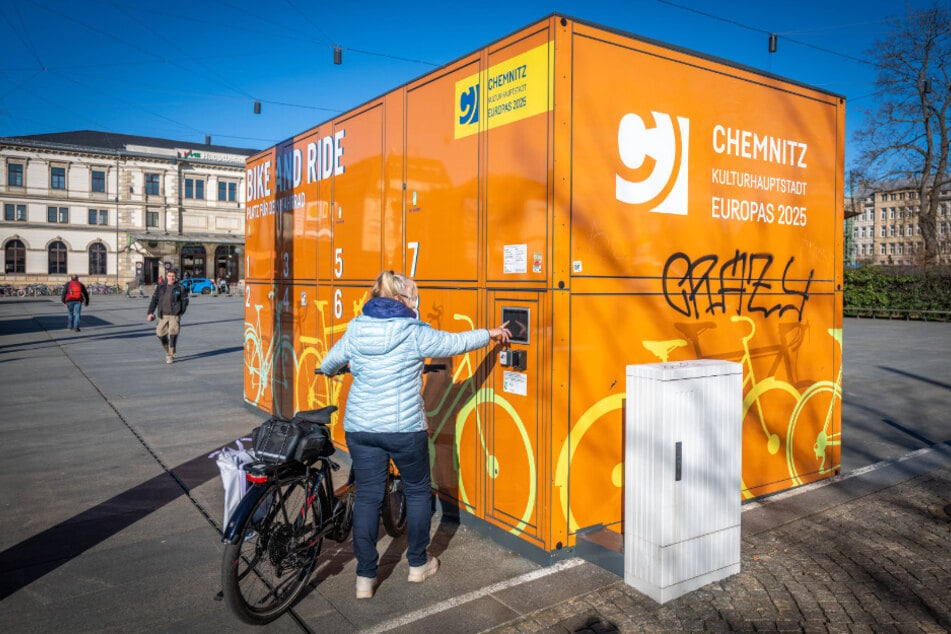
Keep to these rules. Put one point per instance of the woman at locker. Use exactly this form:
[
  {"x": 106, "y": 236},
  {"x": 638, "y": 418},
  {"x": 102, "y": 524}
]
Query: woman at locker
[{"x": 386, "y": 347}]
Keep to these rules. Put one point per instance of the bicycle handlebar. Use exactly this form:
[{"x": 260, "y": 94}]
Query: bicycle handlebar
[{"x": 427, "y": 367}]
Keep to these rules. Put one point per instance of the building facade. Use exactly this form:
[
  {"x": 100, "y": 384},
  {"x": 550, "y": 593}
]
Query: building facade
[
  {"x": 119, "y": 209},
  {"x": 887, "y": 230}
]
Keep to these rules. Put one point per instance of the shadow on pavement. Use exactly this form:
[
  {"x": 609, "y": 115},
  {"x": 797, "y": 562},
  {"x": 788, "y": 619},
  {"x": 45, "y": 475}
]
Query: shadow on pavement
[
  {"x": 31, "y": 559},
  {"x": 210, "y": 353},
  {"x": 49, "y": 323},
  {"x": 915, "y": 377}
]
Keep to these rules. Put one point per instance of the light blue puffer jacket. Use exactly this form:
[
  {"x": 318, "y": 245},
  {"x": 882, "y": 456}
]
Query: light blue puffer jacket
[{"x": 386, "y": 347}]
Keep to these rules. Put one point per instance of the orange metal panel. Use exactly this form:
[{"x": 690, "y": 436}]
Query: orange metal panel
[
  {"x": 320, "y": 169},
  {"x": 309, "y": 391},
  {"x": 453, "y": 399},
  {"x": 393, "y": 194},
  {"x": 442, "y": 185},
  {"x": 558, "y": 388},
  {"x": 517, "y": 179},
  {"x": 358, "y": 195},
  {"x": 283, "y": 356},
  {"x": 689, "y": 155},
  {"x": 296, "y": 196},
  {"x": 515, "y": 428},
  {"x": 342, "y": 304},
  {"x": 258, "y": 343},
  {"x": 287, "y": 177},
  {"x": 261, "y": 237}
]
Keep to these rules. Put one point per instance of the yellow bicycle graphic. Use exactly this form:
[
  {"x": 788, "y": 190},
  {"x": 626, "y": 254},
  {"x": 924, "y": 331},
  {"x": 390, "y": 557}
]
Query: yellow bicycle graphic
[
  {"x": 766, "y": 402},
  {"x": 609, "y": 405},
  {"x": 312, "y": 391},
  {"x": 460, "y": 402},
  {"x": 825, "y": 435},
  {"x": 757, "y": 392},
  {"x": 260, "y": 363}
]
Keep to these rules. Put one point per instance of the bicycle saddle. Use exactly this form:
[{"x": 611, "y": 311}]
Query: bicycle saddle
[{"x": 319, "y": 416}]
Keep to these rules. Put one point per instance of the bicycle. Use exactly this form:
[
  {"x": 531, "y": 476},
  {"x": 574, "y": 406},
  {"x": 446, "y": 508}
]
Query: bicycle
[
  {"x": 393, "y": 512},
  {"x": 275, "y": 534}
]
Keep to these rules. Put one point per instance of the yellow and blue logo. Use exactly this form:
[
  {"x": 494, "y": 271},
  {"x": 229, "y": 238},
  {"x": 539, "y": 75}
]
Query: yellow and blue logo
[
  {"x": 507, "y": 91},
  {"x": 469, "y": 106}
]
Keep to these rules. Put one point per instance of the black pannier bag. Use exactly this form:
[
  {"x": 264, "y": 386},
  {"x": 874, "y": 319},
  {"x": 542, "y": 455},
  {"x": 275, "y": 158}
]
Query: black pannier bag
[{"x": 278, "y": 440}]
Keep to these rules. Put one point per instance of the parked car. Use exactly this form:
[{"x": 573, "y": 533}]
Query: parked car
[{"x": 198, "y": 285}]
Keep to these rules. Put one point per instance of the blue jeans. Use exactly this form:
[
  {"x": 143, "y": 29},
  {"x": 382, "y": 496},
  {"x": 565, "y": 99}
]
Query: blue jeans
[
  {"x": 370, "y": 453},
  {"x": 72, "y": 314}
]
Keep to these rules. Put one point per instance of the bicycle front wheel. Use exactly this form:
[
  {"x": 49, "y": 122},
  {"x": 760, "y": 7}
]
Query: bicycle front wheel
[
  {"x": 394, "y": 505},
  {"x": 265, "y": 572}
]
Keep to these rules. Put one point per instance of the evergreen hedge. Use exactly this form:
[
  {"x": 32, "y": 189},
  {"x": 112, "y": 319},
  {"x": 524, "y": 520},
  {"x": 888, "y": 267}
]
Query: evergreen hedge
[{"x": 878, "y": 289}]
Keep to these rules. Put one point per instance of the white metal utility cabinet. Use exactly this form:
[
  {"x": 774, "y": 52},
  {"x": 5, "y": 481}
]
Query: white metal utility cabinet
[{"x": 682, "y": 475}]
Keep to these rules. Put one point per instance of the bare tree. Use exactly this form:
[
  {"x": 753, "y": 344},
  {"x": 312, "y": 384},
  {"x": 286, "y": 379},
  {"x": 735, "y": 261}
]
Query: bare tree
[{"x": 908, "y": 136}]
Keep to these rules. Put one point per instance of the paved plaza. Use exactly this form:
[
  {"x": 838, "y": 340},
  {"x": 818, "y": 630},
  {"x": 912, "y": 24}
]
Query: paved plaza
[{"x": 110, "y": 508}]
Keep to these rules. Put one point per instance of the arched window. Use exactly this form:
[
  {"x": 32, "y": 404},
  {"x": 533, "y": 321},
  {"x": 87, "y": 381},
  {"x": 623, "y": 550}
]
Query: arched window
[
  {"x": 57, "y": 253},
  {"x": 193, "y": 261},
  {"x": 97, "y": 259},
  {"x": 226, "y": 263},
  {"x": 15, "y": 257}
]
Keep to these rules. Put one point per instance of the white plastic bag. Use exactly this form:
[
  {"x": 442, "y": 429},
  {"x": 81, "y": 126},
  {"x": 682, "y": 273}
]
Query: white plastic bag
[{"x": 231, "y": 462}]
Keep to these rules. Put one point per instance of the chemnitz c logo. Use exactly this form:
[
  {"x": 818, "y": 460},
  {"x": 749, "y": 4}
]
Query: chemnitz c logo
[
  {"x": 469, "y": 105},
  {"x": 654, "y": 151}
]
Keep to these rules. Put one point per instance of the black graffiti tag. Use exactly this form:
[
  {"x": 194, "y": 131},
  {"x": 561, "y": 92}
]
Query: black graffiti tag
[{"x": 699, "y": 287}]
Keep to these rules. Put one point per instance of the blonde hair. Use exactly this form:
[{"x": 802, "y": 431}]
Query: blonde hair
[{"x": 390, "y": 284}]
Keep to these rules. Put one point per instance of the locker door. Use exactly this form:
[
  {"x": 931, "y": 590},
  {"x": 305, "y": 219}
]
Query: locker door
[
  {"x": 260, "y": 229},
  {"x": 513, "y": 417},
  {"x": 258, "y": 349},
  {"x": 357, "y": 209},
  {"x": 442, "y": 184}
]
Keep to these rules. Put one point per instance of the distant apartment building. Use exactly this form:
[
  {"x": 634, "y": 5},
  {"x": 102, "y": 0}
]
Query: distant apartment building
[
  {"x": 119, "y": 209},
  {"x": 886, "y": 229}
]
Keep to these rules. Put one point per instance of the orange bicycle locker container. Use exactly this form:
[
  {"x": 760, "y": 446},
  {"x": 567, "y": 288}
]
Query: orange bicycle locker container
[{"x": 620, "y": 202}]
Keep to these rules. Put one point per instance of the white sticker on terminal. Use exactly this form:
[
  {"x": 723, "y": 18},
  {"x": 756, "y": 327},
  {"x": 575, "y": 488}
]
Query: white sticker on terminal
[{"x": 515, "y": 383}]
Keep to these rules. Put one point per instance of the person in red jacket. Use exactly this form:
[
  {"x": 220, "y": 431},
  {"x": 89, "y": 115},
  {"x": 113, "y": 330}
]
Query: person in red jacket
[{"x": 74, "y": 296}]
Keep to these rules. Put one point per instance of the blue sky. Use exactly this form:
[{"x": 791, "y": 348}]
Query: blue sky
[{"x": 181, "y": 70}]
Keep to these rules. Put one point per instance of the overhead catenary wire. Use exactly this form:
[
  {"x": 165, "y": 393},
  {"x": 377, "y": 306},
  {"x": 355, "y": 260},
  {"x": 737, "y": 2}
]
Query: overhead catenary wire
[
  {"x": 216, "y": 55},
  {"x": 211, "y": 73},
  {"x": 149, "y": 111},
  {"x": 765, "y": 31},
  {"x": 207, "y": 73},
  {"x": 311, "y": 22},
  {"x": 23, "y": 34}
]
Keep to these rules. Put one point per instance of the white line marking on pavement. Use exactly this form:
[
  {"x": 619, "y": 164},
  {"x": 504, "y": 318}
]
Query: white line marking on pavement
[
  {"x": 940, "y": 448},
  {"x": 448, "y": 604}
]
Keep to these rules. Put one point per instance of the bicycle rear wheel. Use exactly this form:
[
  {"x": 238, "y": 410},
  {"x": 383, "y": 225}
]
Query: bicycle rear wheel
[
  {"x": 394, "y": 505},
  {"x": 264, "y": 573}
]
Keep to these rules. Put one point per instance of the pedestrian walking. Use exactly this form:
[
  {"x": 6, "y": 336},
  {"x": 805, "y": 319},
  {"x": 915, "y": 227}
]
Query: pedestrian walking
[
  {"x": 169, "y": 303},
  {"x": 386, "y": 347},
  {"x": 74, "y": 296}
]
